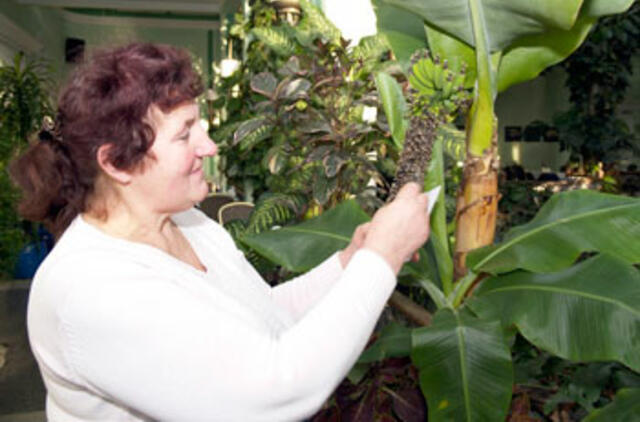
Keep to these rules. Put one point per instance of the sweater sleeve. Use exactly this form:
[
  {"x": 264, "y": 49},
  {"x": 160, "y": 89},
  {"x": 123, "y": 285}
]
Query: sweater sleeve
[
  {"x": 300, "y": 294},
  {"x": 153, "y": 346},
  {"x": 296, "y": 296}
]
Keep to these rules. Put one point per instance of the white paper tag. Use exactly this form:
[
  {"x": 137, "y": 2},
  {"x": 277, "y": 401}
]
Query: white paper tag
[{"x": 433, "y": 197}]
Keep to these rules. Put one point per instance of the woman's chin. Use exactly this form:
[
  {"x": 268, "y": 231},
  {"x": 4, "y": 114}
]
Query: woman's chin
[{"x": 204, "y": 191}]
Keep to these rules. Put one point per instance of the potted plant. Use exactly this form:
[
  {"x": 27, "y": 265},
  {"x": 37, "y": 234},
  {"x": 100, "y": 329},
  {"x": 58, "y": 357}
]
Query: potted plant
[{"x": 24, "y": 101}]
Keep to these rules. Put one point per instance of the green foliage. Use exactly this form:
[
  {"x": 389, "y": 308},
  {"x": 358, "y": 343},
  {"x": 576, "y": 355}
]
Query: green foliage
[
  {"x": 507, "y": 42},
  {"x": 568, "y": 224},
  {"x": 297, "y": 109},
  {"x": 394, "y": 106},
  {"x": 276, "y": 39},
  {"x": 12, "y": 236},
  {"x": 471, "y": 354},
  {"x": 270, "y": 211},
  {"x": 598, "y": 77},
  {"x": 625, "y": 407},
  {"x": 274, "y": 210},
  {"x": 511, "y": 288},
  {"x": 24, "y": 101},
  {"x": 572, "y": 313},
  {"x": 522, "y": 39},
  {"x": 393, "y": 341},
  {"x": 552, "y": 385},
  {"x": 302, "y": 246}
]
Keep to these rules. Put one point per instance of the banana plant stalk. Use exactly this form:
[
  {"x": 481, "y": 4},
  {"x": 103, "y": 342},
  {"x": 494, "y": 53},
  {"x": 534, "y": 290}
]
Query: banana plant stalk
[
  {"x": 477, "y": 201},
  {"x": 505, "y": 42}
]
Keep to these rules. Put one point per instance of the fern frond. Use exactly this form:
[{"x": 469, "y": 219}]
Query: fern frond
[
  {"x": 371, "y": 48},
  {"x": 275, "y": 209},
  {"x": 237, "y": 229},
  {"x": 276, "y": 38},
  {"x": 316, "y": 22}
]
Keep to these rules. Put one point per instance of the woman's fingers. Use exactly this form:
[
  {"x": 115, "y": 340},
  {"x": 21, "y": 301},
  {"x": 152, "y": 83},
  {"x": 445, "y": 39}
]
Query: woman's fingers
[{"x": 409, "y": 190}]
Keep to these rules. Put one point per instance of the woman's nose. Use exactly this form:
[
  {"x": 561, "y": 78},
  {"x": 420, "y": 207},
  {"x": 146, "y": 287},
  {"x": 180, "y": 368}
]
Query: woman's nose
[{"x": 206, "y": 147}]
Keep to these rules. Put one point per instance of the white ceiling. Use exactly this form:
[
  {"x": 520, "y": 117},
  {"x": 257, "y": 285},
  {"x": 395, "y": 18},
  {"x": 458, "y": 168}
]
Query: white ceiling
[{"x": 175, "y": 6}]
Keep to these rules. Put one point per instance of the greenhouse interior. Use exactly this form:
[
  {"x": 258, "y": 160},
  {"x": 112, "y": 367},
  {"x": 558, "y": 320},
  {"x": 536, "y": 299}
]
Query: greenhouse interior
[{"x": 320, "y": 210}]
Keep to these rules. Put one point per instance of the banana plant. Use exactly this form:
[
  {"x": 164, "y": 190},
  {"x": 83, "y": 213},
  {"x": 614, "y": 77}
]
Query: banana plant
[
  {"x": 585, "y": 312},
  {"x": 504, "y": 42},
  {"x": 567, "y": 281}
]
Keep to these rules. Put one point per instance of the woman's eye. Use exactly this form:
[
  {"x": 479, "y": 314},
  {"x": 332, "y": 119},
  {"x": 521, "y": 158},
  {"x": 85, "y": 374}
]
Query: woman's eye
[{"x": 184, "y": 137}]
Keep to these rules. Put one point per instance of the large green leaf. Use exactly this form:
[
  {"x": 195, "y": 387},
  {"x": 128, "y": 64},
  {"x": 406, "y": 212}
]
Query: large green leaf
[
  {"x": 624, "y": 408},
  {"x": 589, "y": 312},
  {"x": 504, "y": 21},
  {"x": 568, "y": 224},
  {"x": 394, "y": 106},
  {"x": 439, "y": 237},
  {"x": 560, "y": 31},
  {"x": 301, "y": 247},
  {"x": 465, "y": 367},
  {"x": 530, "y": 55},
  {"x": 403, "y": 30},
  {"x": 394, "y": 340},
  {"x": 597, "y": 8}
]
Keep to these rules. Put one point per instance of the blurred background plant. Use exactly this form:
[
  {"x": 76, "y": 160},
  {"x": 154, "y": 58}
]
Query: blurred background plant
[
  {"x": 301, "y": 113},
  {"x": 598, "y": 77},
  {"x": 25, "y": 87}
]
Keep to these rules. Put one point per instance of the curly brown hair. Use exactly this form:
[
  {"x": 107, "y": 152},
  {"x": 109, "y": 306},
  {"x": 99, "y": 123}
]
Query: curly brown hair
[{"x": 106, "y": 101}]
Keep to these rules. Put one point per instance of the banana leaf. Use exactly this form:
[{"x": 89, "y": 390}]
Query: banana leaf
[
  {"x": 530, "y": 36},
  {"x": 465, "y": 367},
  {"x": 394, "y": 106},
  {"x": 567, "y": 225},
  {"x": 625, "y": 407},
  {"x": 504, "y": 20},
  {"x": 403, "y": 30},
  {"x": 589, "y": 312},
  {"x": 301, "y": 247},
  {"x": 439, "y": 238},
  {"x": 394, "y": 341},
  {"x": 530, "y": 55}
]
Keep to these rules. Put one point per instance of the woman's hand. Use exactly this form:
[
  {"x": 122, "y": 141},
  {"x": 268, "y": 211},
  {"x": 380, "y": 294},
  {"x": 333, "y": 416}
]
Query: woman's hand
[
  {"x": 399, "y": 228},
  {"x": 357, "y": 240}
]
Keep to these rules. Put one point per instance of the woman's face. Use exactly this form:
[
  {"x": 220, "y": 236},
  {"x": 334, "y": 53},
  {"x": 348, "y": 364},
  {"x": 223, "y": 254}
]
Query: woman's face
[{"x": 172, "y": 178}]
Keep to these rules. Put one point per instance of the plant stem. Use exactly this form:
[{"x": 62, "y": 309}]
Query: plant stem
[
  {"x": 462, "y": 287},
  {"x": 481, "y": 124},
  {"x": 410, "y": 309},
  {"x": 477, "y": 203}
]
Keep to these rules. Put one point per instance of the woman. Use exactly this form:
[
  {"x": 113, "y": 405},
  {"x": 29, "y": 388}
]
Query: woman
[{"x": 145, "y": 309}]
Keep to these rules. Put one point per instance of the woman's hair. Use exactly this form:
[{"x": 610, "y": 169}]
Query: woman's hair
[{"x": 106, "y": 101}]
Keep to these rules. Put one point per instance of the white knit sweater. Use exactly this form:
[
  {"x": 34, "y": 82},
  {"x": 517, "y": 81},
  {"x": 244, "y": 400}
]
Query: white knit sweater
[{"x": 125, "y": 332}]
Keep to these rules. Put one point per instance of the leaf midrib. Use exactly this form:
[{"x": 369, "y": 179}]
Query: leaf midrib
[
  {"x": 318, "y": 233},
  {"x": 568, "y": 292},
  {"x": 463, "y": 369},
  {"x": 546, "y": 226}
]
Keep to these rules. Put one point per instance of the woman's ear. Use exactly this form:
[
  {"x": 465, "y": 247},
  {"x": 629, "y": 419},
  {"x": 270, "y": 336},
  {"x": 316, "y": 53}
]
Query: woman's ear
[{"x": 104, "y": 161}]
